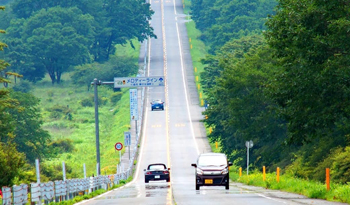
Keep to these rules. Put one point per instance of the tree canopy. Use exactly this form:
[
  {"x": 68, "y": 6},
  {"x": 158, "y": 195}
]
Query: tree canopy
[
  {"x": 54, "y": 36},
  {"x": 288, "y": 90},
  {"x": 223, "y": 20},
  {"x": 310, "y": 41}
]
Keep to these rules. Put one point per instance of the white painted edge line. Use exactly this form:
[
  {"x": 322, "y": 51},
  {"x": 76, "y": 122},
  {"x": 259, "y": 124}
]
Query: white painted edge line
[
  {"x": 271, "y": 198},
  {"x": 184, "y": 84}
]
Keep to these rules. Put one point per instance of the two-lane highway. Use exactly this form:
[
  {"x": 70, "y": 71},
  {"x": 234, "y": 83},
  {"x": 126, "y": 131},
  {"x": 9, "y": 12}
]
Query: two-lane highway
[{"x": 176, "y": 136}]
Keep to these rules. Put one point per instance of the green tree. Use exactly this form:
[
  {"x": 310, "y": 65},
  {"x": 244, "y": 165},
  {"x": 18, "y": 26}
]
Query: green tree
[
  {"x": 10, "y": 159},
  {"x": 121, "y": 21},
  {"x": 62, "y": 42},
  {"x": 113, "y": 22},
  {"x": 11, "y": 163},
  {"x": 236, "y": 48},
  {"x": 30, "y": 138},
  {"x": 17, "y": 54},
  {"x": 310, "y": 41},
  {"x": 239, "y": 109},
  {"x": 223, "y": 20},
  {"x": 6, "y": 125}
]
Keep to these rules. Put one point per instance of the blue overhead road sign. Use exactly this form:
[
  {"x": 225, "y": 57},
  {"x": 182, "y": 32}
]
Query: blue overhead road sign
[{"x": 153, "y": 81}]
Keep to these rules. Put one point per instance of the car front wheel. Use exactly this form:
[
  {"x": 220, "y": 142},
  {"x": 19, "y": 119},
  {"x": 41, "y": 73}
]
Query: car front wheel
[
  {"x": 197, "y": 186},
  {"x": 227, "y": 185}
]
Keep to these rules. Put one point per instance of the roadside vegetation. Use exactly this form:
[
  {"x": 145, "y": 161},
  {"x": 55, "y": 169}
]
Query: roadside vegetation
[
  {"x": 266, "y": 83},
  {"x": 289, "y": 183},
  {"x": 49, "y": 56}
]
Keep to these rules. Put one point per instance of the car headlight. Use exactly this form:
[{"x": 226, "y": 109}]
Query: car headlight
[
  {"x": 224, "y": 171},
  {"x": 199, "y": 171}
]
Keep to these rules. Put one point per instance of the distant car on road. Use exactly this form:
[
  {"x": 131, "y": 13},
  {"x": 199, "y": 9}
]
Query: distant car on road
[
  {"x": 212, "y": 169},
  {"x": 155, "y": 172},
  {"x": 157, "y": 104}
]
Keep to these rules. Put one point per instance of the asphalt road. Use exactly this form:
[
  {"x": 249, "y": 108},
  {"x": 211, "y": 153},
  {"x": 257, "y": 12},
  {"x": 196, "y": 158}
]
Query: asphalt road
[{"x": 176, "y": 136}]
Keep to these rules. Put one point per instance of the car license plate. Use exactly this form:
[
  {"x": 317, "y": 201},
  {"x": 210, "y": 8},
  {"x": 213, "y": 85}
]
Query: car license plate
[
  {"x": 208, "y": 181},
  {"x": 157, "y": 177}
]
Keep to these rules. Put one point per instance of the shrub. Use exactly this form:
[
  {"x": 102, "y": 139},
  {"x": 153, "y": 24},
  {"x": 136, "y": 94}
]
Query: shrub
[
  {"x": 64, "y": 145},
  {"x": 87, "y": 102},
  {"x": 58, "y": 111},
  {"x": 24, "y": 86},
  {"x": 116, "y": 97},
  {"x": 50, "y": 93}
]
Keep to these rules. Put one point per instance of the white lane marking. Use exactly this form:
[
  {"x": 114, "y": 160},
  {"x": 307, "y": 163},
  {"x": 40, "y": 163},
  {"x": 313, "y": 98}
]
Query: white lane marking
[
  {"x": 271, "y": 198},
  {"x": 184, "y": 84}
]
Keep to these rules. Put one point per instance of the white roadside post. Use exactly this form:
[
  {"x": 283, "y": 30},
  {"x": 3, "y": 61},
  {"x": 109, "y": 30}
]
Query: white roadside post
[
  {"x": 84, "y": 171},
  {"x": 64, "y": 179},
  {"x": 37, "y": 171},
  {"x": 37, "y": 168},
  {"x": 64, "y": 171},
  {"x": 248, "y": 144}
]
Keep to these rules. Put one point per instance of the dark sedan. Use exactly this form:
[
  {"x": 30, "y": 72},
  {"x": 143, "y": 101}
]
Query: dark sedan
[
  {"x": 157, "y": 104},
  {"x": 212, "y": 169},
  {"x": 155, "y": 172}
]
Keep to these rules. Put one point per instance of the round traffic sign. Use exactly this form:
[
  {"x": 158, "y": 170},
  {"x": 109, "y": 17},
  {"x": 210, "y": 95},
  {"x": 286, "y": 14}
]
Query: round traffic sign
[{"x": 118, "y": 146}]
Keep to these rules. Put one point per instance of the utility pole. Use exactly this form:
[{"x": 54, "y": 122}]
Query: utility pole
[{"x": 97, "y": 132}]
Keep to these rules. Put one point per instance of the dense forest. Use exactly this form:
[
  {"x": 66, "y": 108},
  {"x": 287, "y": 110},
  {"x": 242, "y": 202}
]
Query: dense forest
[
  {"x": 278, "y": 74},
  {"x": 50, "y": 37}
]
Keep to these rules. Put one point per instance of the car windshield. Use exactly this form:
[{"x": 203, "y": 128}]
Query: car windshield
[
  {"x": 156, "y": 101},
  {"x": 156, "y": 167},
  {"x": 212, "y": 160}
]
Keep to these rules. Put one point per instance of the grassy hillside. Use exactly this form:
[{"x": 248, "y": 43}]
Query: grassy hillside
[{"x": 79, "y": 124}]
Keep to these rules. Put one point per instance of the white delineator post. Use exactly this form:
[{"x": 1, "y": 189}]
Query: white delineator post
[{"x": 248, "y": 144}]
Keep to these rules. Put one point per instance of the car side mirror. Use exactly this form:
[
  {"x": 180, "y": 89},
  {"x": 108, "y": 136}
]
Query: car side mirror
[
  {"x": 169, "y": 168},
  {"x": 144, "y": 170},
  {"x": 194, "y": 165},
  {"x": 230, "y": 164}
]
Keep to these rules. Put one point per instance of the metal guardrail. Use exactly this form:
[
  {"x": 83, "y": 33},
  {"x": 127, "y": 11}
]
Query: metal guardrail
[{"x": 45, "y": 193}]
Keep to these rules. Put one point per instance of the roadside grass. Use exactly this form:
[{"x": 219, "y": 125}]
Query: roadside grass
[
  {"x": 198, "y": 50},
  {"x": 80, "y": 127},
  {"x": 310, "y": 189}
]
